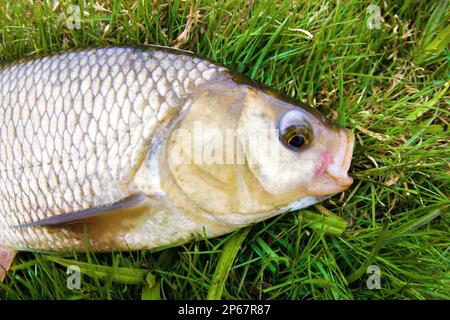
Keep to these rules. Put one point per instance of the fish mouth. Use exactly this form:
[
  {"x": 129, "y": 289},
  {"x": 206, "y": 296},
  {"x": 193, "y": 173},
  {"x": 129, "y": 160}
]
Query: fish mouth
[
  {"x": 338, "y": 169},
  {"x": 331, "y": 175}
]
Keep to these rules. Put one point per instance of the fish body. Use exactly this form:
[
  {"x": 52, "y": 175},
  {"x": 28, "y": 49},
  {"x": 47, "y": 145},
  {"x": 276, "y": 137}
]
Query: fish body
[{"x": 122, "y": 149}]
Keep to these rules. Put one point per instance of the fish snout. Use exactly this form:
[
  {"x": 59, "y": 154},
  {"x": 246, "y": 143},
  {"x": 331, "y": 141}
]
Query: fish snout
[
  {"x": 339, "y": 166},
  {"x": 331, "y": 174}
]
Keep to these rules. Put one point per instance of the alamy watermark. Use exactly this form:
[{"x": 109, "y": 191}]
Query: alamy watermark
[
  {"x": 73, "y": 19},
  {"x": 374, "y": 17},
  {"x": 74, "y": 279},
  {"x": 71, "y": 16},
  {"x": 230, "y": 146},
  {"x": 374, "y": 279}
]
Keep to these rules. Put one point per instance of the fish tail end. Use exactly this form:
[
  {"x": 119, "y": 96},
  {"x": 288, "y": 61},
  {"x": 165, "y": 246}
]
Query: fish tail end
[{"x": 6, "y": 260}]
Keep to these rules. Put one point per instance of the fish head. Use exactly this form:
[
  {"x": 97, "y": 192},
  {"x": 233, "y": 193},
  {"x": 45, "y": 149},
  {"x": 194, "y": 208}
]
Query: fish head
[
  {"x": 299, "y": 153},
  {"x": 241, "y": 150}
]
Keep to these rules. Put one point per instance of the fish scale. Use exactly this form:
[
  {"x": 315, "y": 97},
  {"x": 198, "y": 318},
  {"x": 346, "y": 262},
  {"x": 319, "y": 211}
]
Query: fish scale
[{"x": 74, "y": 126}]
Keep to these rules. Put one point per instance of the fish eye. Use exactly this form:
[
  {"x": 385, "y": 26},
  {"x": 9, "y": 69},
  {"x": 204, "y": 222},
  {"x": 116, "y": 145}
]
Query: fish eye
[
  {"x": 294, "y": 131},
  {"x": 296, "y": 137}
]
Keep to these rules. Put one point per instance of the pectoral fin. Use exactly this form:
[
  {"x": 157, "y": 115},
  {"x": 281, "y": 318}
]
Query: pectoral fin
[
  {"x": 130, "y": 204},
  {"x": 6, "y": 259}
]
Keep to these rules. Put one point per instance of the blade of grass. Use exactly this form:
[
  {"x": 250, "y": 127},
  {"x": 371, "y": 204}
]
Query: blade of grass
[
  {"x": 121, "y": 275},
  {"x": 226, "y": 260}
]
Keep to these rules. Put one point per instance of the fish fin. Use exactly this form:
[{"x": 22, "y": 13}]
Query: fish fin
[
  {"x": 6, "y": 260},
  {"x": 127, "y": 204}
]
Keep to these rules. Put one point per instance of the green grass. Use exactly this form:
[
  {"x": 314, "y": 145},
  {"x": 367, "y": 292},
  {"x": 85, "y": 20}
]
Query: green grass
[{"x": 389, "y": 84}]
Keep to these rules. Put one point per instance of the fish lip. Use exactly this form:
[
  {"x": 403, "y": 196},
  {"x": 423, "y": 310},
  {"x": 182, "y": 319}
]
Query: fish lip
[
  {"x": 349, "y": 149},
  {"x": 334, "y": 179},
  {"x": 338, "y": 170}
]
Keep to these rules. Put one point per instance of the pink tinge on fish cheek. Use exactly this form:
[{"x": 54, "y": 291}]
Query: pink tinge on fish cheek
[{"x": 325, "y": 159}]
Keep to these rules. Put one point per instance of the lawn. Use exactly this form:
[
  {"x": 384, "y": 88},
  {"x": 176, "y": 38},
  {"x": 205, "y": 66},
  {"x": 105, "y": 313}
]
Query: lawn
[{"x": 378, "y": 67}]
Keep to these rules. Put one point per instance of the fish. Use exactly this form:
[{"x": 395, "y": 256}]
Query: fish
[{"x": 137, "y": 148}]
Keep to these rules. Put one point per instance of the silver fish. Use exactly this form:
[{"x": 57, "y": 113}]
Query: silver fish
[{"x": 143, "y": 148}]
